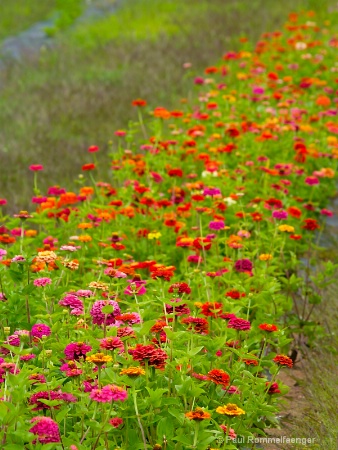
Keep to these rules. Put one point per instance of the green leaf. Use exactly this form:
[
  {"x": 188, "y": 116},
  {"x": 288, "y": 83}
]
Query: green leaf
[{"x": 108, "y": 309}]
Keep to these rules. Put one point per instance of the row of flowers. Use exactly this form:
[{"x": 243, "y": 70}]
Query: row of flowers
[{"x": 155, "y": 308}]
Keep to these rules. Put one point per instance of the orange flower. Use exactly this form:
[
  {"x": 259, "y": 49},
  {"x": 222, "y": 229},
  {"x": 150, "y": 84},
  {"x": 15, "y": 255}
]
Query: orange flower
[
  {"x": 283, "y": 360},
  {"x": 198, "y": 414},
  {"x": 133, "y": 372}
]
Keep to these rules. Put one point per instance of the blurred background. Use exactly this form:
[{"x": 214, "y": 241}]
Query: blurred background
[{"x": 69, "y": 70}]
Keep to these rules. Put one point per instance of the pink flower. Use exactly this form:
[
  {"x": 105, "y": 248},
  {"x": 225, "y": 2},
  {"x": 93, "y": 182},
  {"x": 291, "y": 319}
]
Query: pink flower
[
  {"x": 311, "y": 181},
  {"x": 46, "y": 430},
  {"x": 135, "y": 287},
  {"x": 84, "y": 293},
  {"x": 116, "y": 422},
  {"x": 27, "y": 357},
  {"x": 101, "y": 396},
  {"x": 196, "y": 259},
  {"x": 111, "y": 343},
  {"x": 156, "y": 177},
  {"x": 42, "y": 282},
  {"x": 75, "y": 304},
  {"x": 231, "y": 433},
  {"x": 239, "y": 324},
  {"x": 99, "y": 317},
  {"x": 326, "y": 212},
  {"x": 36, "y": 167},
  {"x": 117, "y": 393},
  {"x": 76, "y": 350},
  {"x": 39, "y": 330}
]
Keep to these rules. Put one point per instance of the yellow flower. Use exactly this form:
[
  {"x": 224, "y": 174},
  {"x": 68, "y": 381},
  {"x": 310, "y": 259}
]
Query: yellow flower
[
  {"x": 230, "y": 410},
  {"x": 287, "y": 228},
  {"x": 99, "y": 359},
  {"x": 133, "y": 371},
  {"x": 265, "y": 257},
  {"x": 154, "y": 235}
]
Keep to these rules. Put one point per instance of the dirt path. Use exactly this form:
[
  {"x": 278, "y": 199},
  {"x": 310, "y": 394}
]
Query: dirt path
[{"x": 310, "y": 409}]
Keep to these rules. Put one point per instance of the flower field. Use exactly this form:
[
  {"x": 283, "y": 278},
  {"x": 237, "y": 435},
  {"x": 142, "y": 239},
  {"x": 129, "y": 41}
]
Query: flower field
[{"x": 155, "y": 307}]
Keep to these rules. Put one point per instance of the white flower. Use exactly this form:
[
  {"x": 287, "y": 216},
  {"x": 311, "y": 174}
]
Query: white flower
[{"x": 229, "y": 201}]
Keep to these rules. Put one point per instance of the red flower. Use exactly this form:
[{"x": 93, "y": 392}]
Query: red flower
[
  {"x": 268, "y": 327},
  {"x": 93, "y": 149},
  {"x": 202, "y": 243},
  {"x": 89, "y": 166},
  {"x": 211, "y": 309},
  {"x": 155, "y": 356},
  {"x": 235, "y": 295},
  {"x": 218, "y": 376},
  {"x": 197, "y": 324},
  {"x": 139, "y": 102},
  {"x": 179, "y": 288},
  {"x": 311, "y": 224}
]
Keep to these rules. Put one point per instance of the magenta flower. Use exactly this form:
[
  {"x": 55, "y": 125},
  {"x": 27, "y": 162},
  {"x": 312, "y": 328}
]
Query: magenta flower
[
  {"x": 27, "y": 357},
  {"x": 239, "y": 324},
  {"x": 217, "y": 225},
  {"x": 45, "y": 429},
  {"x": 311, "y": 181},
  {"x": 243, "y": 265},
  {"x": 14, "y": 340},
  {"x": 76, "y": 350},
  {"x": 36, "y": 167},
  {"x": 42, "y": 282},
  {"x": 326, "y": 212},
  {"x": 99, "y": 317},
  {"x": 279, "y": 214},
  {"x": 211, "y": 192},
  {"x": 39, "y": 330}
]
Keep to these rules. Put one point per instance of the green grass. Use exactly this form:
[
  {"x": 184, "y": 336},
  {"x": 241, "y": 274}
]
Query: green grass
[
  {"x": 53, "y": 108},
  {"x": 18, "y": 15}
]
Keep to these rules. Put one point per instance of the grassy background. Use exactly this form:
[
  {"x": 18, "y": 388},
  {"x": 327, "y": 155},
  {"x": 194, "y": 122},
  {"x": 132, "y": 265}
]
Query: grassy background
[{"x": 54, "y": 106}]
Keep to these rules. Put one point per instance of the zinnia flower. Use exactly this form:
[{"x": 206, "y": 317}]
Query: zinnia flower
[
  {"x": 133, "y": 372},
  {"x": 198, "y": 414},
  {"x": 45, "y": 429},
  {"x": 230, "y": 410},
  {"x": 239, "y": 324},
  {"x": 39, "y": 330},
  {"x": 231, "y": 433},
  {"x": 111, "y": 343},
  {"x": 219, "y": 376},
  {"x": 99, "y": 359},
  {"x": 77, "y": 350},
  {"x": 283, "y": 360},
  {"x": 268, "y": 327},
  {"x": 99, "y": 317},
  {"x": 243, "y": 265}
]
